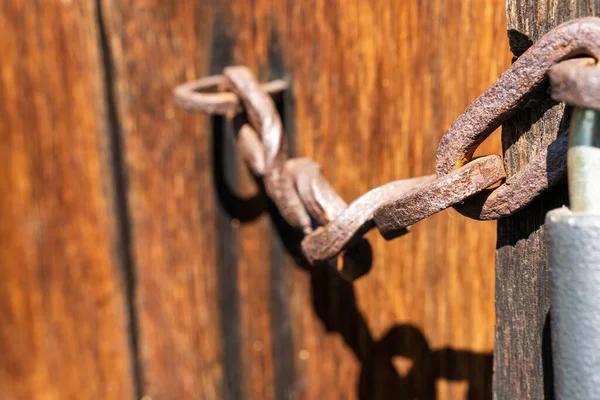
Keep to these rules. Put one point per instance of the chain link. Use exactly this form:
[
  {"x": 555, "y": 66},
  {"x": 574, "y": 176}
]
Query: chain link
[{"x": 303, "y": 195}]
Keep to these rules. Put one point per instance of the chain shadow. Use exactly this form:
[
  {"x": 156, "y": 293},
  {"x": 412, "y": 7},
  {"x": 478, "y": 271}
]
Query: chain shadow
[
  {"x": 379, "y": 379},
  {"x": 335, "y": 304},
  {"x": 225, "y": 178}
]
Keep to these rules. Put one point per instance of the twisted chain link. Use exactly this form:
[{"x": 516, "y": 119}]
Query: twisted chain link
[{"x": 303, "y": 195}]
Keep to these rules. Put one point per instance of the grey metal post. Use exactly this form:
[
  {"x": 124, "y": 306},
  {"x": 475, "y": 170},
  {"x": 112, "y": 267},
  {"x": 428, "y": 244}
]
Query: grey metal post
[{"x": 574, "y": 257}]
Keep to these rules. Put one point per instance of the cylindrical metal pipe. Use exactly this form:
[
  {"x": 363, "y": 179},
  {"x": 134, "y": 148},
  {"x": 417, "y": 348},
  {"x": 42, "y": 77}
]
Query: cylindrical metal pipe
[{"x": 574, "y": 258}]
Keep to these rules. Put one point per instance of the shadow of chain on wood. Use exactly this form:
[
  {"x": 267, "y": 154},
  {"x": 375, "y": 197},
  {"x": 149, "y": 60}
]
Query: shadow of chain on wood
[{"x": 334, "y": 303}]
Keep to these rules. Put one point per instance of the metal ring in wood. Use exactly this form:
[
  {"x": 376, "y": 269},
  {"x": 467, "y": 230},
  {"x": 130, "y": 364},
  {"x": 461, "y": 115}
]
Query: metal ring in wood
[{"x": 205, "y": 95}]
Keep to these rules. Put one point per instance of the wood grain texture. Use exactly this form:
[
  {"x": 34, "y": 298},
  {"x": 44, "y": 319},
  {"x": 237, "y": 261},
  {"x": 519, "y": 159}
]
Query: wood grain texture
[
  {"x": 523, "y": 360},
  {"x": 167, "y": 157},
  {"x": 223, "y": 309},
  {"x": 63, "y": 304}
]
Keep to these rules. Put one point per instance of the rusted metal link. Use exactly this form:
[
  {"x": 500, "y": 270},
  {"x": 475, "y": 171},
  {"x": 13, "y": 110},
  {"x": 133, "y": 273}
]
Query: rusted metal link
[
  {"x": 270, "y": 159},
  {"x": 297, "y": 186},
  {"x": 438, "y": 194},
  {"x": 251, "y": 149},
  {"x": 577, "y": 82},
  {"x": 205, "y": 95},
  {"x": 261, "y": 112},
  {"x": 485, "y": 115},
  {"x": 320, "y": 199},
  {"x": 543, "y": 171},
  {"x": 496, "y": 105},
  {"x": 328, "y": 241}
]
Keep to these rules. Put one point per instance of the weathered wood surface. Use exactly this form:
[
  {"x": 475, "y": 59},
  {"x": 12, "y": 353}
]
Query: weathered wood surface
[
  {"x": 63, "y": 305},
  {"x": 167, "y": 220},
  {"x": 522, "y": 354},
  {"x": 223, "y": 312}
]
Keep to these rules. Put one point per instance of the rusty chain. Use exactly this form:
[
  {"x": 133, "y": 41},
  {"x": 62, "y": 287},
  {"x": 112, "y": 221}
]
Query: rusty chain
[{"x": 303, "y": 195}]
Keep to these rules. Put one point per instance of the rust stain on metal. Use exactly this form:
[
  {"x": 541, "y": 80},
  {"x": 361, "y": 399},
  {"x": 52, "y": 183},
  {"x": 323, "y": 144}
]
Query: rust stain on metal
[
  {"x": 320, "y": 199},
  {"x": 328, "y": 241},
  {"x": 497, "y": 104},
  {"x": 260, "y": 109},
  {"x": 205, "y": 95},
  {"x": 438, "y": 194},
  {"x": 271, "y": 156},
  {"x": 547, "y": 169},
  {"x": 576, "y": 82},
  {"x": 511, "y": 89},
  {"x": 251, "y": 150}
]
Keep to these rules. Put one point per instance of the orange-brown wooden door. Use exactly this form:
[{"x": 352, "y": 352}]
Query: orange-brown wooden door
[{"x": 140, "y": 259}]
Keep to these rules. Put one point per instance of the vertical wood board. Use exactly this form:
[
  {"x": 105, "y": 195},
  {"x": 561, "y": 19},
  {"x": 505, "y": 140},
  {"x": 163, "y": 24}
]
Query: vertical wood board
[
  {"x": 63, "y": 289},
  {"x": 523, "y": 359}
]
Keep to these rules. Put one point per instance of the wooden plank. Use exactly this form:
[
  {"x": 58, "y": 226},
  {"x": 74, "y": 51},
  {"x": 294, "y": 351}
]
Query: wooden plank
[
  {"x": 223, "y": 311},
  {"x": 523, "y": 360},
  {"x": 182, "y": 300},
  {"x": 63, "y": 303}
]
